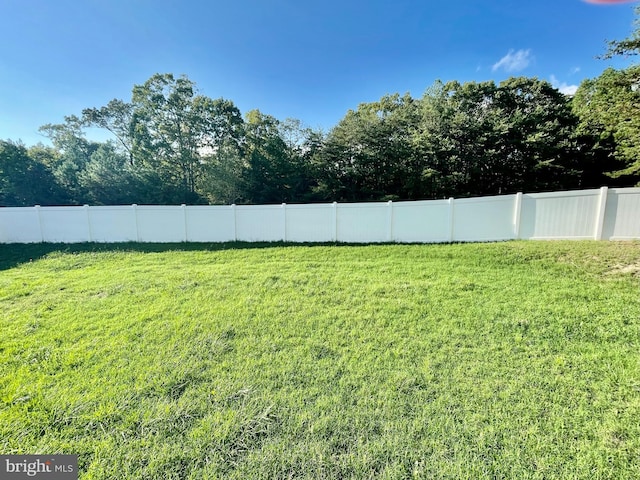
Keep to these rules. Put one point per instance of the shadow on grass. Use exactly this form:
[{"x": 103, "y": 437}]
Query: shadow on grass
[{"x": 15, "y": 254}]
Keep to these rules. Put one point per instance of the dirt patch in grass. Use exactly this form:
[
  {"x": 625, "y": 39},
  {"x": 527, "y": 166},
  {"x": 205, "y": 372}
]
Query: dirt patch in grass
[{"x": 633, "y": 269}]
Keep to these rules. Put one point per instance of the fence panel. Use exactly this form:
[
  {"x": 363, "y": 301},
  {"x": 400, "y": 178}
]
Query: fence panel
[
  {"x": 19, "y": 225},
  {"x": 423, "y": 221},
  {"x": 64, "y": 224},
  {"x": 160, "y": 223},
  {"x": 484, "y": 219},
  {"x": 260, "y": 223},
  {"x": 113, "y": 224},
  {"x": 623, "y": 222},
  {"x": 586, "y": 214},
  {"x": 210, "y": 223},
  {"x": 559, "y": 215},
  {"x": 310, "y": 223},
  {"x": 363, "y": 223}
]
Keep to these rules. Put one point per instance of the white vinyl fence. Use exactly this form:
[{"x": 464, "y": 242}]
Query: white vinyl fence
[{"x": 607, "y": 214}]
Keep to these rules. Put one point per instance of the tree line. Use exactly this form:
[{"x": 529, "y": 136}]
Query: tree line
[{"x": 173, "y": 145}]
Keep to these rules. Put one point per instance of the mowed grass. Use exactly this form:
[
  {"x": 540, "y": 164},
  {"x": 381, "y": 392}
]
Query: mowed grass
[{"x": 505, "y": 360}]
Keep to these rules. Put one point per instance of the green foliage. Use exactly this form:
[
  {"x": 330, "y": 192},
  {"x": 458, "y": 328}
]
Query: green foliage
[
  {"x": 504, "y": 138},
  {"x": 535, "y": 147},
  {"x": 110, "y": 179},
  {"x": 74, "y": 153},
  {"x": 459, "y": 139},
  {"x": 368, "y": 155},
  {"x": 66, "y": 136},
  {"x": 25, "y": 181},
  {"x": 169, "y": 141},
  {"x": 629, "y": 46},
  {"x": 610, "y": 115},
  {"x": 172, "y": 145},
  {"x": 171, "y": 125},
  {"x": 275, "y": 170},
  {"x": 609, "y": 111},
  {"x": 505, "y": 360},
  {"x": 116, "y": 117},
  {"x": 223, "y": 175}
]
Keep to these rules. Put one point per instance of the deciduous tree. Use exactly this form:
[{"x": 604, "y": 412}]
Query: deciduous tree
[
  {"x": 173, "y": 128},
  {"x": 25, "y": 181}
]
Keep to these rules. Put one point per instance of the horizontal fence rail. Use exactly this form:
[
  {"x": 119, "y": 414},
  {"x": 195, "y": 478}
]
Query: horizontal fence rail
[{"x": 599, "y": 214}]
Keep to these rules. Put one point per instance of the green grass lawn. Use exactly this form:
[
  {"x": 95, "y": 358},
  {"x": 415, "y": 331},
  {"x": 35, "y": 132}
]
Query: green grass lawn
[{"x": 504, "y": 360}]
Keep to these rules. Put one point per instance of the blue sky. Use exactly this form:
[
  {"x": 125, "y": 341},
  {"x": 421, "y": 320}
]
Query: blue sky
[{"x": 289, "y": 58}]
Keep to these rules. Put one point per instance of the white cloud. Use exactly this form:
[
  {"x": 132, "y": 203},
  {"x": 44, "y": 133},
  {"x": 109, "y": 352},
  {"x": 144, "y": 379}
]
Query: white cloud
[
  {"x": 574, "y": 70},
  {"x": 513, "y": 61},
  {"x": 563, "y": 86}
]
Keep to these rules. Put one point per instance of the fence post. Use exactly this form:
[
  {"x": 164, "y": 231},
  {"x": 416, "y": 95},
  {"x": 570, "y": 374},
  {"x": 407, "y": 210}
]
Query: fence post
[
  {"x": 134, "y": 207},
  {"x": 235, "y": 222},
  {"x": 600, "y": 214},
  {"x": 86, "y": 209},
  {"x": 451, "y": 220},
  {"x": 517, "y": 215},
  {"x": 37, "y": 207},
  {"x": 335, "y": 221},
  {"x": 184, "y": 217},
  {"x": 390, "y": 212},
  {"x": 284, "y": 221}
]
